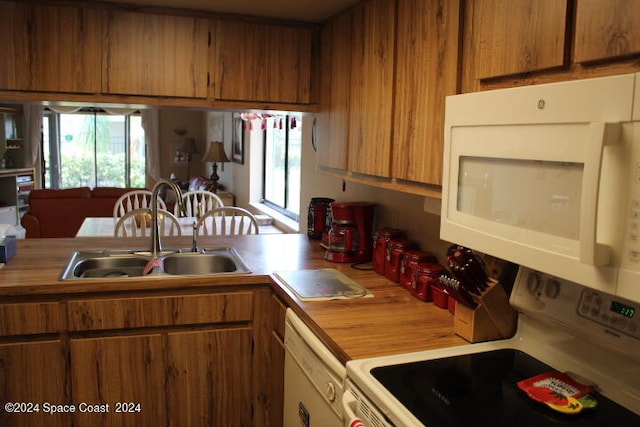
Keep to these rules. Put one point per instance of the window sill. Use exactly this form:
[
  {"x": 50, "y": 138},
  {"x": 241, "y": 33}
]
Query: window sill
[{"x": 284, "y": 223}]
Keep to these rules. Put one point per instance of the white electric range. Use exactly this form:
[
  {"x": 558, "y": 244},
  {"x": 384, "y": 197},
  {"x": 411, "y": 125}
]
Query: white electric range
[{"x": 562, "y": 326}]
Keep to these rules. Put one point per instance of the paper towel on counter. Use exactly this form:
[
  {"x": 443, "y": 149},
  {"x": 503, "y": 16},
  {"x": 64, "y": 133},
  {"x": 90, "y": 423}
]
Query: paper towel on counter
[{"x": 12, "y": 230}]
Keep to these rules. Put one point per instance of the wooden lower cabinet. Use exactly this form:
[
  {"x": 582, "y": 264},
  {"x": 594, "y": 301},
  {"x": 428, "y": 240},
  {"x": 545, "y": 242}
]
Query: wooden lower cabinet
[
  {"x": 277, "y": 354},
  {"x": 179, "y": 359},
  {"x": 209, "y": 379},
  {"x": 32, "y": 378},
  {"x": 182, "y": 379},
  {"x": 117, "y": 371}
]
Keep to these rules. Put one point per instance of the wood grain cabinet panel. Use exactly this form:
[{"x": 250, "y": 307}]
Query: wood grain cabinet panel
[
  {"x": 510, "y": 37},
  {"x": 209, "y": 379},
  {"x": 155, "y": 55},
  {"x": 276, "y": 357},
  {"x": 119, "y": 313},
  {"x": 30, "y": 318},
  {"x": 371, "y": 99},
  {"x": 49, "y": 48},
  {"x": 606, "y": 29},
  {"x": 112, "y": 370},
  {"x": 262, "y": 62},
  {"x": 426, "y": 72},
  {"x": 335, "y": 85},
  {"x": 33, "y": 373}
]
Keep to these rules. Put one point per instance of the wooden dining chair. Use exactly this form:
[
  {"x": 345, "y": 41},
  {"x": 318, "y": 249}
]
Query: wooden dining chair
[
  {"x": 135, "y": 199},
  {"x": 138, "y": 222},
  {"x": 197, "y": 202},
  {"x": 227, "y": 220}
]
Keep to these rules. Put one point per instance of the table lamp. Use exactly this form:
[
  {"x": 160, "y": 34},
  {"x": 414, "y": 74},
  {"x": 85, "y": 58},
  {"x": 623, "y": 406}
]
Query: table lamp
[
  {"x": 215, "y": 153},
  {"x": 189, "y": 148}
]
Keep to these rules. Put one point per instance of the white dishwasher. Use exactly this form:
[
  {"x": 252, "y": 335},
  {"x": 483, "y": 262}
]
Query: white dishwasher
[{"x": 313, "y": 379}]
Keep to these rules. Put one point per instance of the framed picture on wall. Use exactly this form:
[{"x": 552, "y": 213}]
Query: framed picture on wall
[
  {"x": 237, "y": 140},
  {"x": 178, "y": 157}
]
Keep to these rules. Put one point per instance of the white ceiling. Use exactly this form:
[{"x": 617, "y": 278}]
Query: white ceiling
[{"x": 298, "y": 10}]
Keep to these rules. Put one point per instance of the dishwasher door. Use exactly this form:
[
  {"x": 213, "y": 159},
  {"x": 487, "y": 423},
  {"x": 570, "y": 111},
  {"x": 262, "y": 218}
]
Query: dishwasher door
[{"x": 313, "y": 379}]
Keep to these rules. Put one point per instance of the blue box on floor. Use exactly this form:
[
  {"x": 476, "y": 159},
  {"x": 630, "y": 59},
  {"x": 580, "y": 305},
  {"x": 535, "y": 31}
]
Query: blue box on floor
[{"x": 8, "y": 248}]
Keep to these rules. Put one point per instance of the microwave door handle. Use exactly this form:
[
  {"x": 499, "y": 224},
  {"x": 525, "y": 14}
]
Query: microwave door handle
[{"x": 600, "y": 134}]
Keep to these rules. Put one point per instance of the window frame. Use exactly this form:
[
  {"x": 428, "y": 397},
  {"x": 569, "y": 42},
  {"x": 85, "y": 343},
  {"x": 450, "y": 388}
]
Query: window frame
[
  {"x": 284, "y": 210},
  {"x": 51, "y": 169}
]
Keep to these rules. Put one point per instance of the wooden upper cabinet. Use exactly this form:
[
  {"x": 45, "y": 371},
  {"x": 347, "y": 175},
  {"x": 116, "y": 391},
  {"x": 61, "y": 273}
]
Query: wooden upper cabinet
[
  {"x": 49, "y": 48},
  {"x": 335, "y": 83},
  {"x": 506, "y": 37},
  {"x": 371, "y": 99},
  {"x": 426, "y": 72},
  {"x": 256, "y": 61},
  {"x": 606, "y": 29},
  {"x": 155, "y": 55}
]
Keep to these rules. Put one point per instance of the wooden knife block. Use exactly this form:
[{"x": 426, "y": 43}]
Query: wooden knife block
[{"x": 492, "y": 319}]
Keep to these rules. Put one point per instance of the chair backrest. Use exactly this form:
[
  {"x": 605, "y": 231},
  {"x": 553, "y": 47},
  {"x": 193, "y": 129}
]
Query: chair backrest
[
  {"x": 137, "y": 199},
  {"x": 197, "y": 202},
  {"x": 137, "y": 223},
  {"x": 227, "y": 220}
]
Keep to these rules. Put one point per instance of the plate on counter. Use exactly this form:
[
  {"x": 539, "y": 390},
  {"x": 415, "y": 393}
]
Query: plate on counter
[{"x": 321, "y": 284}]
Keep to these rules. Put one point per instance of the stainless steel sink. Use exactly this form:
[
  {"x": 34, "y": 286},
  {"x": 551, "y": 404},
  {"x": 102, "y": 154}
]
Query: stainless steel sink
[
  {"x": 177, "y": 262},
  {"x": 110, "y": 266},
  {"x": 198, "y": 263}
]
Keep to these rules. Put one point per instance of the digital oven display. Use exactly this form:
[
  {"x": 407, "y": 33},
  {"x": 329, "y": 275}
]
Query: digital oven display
[{"x": 625, "y": 310}]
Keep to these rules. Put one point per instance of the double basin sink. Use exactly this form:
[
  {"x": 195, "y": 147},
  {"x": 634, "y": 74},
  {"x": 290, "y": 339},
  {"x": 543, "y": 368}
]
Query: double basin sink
[{"x": 139, "y": 263}]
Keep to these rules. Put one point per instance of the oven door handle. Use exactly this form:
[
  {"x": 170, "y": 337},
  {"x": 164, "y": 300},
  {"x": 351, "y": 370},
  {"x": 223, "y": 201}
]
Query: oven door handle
[{"x": 349, "y": 403}]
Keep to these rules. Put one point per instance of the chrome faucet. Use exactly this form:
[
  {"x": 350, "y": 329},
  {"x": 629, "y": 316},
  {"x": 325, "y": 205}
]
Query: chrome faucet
[{"x": 156, "y": 248}]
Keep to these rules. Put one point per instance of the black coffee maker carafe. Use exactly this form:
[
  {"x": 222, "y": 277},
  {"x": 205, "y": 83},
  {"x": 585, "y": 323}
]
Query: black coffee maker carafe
[{"x": 318, "y": 217}]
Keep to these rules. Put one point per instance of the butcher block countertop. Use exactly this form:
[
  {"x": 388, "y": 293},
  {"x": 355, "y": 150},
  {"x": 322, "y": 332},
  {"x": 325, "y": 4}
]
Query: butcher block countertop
[{"x": 390, "y": 322}]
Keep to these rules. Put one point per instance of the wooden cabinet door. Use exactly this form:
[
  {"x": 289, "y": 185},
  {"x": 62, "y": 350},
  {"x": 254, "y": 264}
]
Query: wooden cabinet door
[
  {"x": 426, "y": 72},
  {"x": 155, "y": 55},
  {"x": 505, "y": 37},
  {"x": 128, "y": 370},
  {"x": 262, "y": 62},
  {"x": 49, "y": 48},
  {"x": 276, "y": 356},
  {"x": 33, "y": 373},
  {"x": 606, "y": 29},
  {"x": 371, "y": 99},
  {"x": 335, "y": 84},
  {"x": 210, "y": 378}
]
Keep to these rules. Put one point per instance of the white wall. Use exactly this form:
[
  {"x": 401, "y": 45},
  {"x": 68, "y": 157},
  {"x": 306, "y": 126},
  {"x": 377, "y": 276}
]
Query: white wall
[{"x": 177, "y": 118}]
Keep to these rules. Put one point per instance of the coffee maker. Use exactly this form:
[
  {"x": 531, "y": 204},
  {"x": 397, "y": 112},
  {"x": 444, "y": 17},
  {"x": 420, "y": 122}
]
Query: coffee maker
[{"x": 350, "y": 238}]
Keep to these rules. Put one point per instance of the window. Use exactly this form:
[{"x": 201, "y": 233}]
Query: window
[
  {"x": 281, "y": 164},
  {"x": 93, "y": 148}
]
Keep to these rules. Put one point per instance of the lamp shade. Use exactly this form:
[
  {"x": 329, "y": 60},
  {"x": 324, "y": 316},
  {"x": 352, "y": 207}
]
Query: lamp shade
[
  {"x": 215, "y": 153},
  {"x": 190, "y": 146}
]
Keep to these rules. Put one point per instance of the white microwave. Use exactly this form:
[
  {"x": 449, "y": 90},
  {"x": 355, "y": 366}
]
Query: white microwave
[{"x": 548, "y": 176}]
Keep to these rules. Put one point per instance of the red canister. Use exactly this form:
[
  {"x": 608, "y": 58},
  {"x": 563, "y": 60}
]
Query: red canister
[
  {"x": 427, "y": 276},
  {"x": 380, "y": 242},
  {"x": 408, "y": 264},
  {"x": 396, "y": 248}
]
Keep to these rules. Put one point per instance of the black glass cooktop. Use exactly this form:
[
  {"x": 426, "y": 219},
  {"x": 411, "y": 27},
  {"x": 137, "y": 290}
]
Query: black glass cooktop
[{"x": 480, "y": 390}]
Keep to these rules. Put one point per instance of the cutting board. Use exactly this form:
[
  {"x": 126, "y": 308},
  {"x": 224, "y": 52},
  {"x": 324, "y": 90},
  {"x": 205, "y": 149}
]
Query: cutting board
[{"x": 321, "y": 284}]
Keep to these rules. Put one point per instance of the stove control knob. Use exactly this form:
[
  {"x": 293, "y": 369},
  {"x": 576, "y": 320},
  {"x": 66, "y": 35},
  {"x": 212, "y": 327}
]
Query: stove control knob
[
  {"x": 552, "y": 288},
  {"x": 331, "y": 392},
  {"x": 533, "y": 284}
]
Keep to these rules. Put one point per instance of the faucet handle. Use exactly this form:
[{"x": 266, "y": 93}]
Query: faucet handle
[{"x": 194, "y": 240}]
